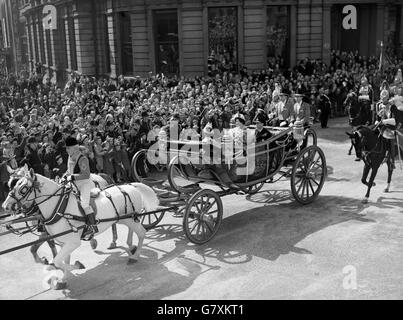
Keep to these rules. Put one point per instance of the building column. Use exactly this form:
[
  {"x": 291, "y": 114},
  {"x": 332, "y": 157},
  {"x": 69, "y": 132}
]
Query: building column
[
  {"x": 293, "y": 35},
  {"x": 38, "y": 36},
  {"x": 112, "y": 36},
  {"x": 326, "y": 34},
  {"x": 85, "y": 44},
  {"x": 400, "y": 44},
  {"x": 29, "y": 43}
]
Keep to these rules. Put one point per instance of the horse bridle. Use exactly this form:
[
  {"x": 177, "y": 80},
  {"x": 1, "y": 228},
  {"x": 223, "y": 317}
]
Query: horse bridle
[{"x": 34, "y": 188}]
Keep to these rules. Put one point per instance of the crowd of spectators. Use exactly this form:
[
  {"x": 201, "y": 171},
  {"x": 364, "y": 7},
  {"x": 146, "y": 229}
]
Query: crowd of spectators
[{"x": 113, "y": 119}]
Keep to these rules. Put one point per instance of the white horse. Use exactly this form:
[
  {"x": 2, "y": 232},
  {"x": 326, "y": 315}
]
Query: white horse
[
  {"x": 46, "y": 194},
  {"x": 101, "y": 181}
]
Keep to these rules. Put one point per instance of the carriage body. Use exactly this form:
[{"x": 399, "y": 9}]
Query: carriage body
[{"x": 233, "y": 169}]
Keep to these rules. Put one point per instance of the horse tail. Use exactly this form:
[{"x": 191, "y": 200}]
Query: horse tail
[{"x": 150, "y": 199}]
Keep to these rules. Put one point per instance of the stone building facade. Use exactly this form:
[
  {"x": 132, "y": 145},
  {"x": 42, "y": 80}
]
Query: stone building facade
[
  {"x": 13, "y": 40},
  {"x": 195, "y": 37}
]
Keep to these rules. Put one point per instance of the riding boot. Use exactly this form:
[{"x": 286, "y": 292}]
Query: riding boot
[{"x": 91, "y": 226}]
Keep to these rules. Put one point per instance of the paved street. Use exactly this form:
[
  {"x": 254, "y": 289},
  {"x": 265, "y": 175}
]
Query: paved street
[{"x": 268, "y": 247}]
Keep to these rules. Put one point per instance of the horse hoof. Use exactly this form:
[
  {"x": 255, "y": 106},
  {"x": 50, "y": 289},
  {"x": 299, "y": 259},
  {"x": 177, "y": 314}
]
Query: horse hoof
[
  {"x": 131, "y": 261},
  {"x": 94, "y": 244},
  {"x": 386, "y": 190},
  {"x": 374, "y": 184},
  {"x": 45, "y": 261},
  {"x": 357, "y": 159},
  {"x": 79, "y": 265},
  {"x": 112, "y": 246},
  {"x": 364, "y": 201},
  {"x": 59, "y": 285},
  {"x": 133, "y": 251},
  {"x": 51, "y": 267}
]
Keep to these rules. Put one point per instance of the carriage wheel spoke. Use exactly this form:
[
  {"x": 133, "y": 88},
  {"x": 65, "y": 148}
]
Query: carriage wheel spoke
[
  {"x": 315, "y": 163},
  {"x": 210, "y": 205},
  {"x": 194, "y": 226},
  {"x": 211, "y": 229},
  {"x": 313, "y": 180},
  {"x": 300, "y": 179},
  {"x": 199, "y": 210},
  {"x": 203, "y": 234},
  {"x": 198, "y": 228},
  {"x": 303, "y": 188},
  {"x": 307, "y": 189},
  {"x": 310, "y": 185},
  {"x": 299, "y": 188}
]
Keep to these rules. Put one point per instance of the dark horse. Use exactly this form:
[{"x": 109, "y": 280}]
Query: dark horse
[
  {"x": 372, "y": 147},
  {"x": 358, "y": 114}
]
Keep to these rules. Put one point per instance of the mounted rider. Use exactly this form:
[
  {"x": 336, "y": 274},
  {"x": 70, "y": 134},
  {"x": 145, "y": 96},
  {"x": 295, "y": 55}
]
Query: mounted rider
[
  {"x": 365, "y": 95},
  {"x": 78, "y": 172},
  {"x": 386, "y": 116}
]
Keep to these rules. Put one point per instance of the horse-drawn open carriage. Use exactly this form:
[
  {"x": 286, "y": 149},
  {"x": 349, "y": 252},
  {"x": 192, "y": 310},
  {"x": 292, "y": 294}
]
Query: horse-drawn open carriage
[
  {"x": 191, "y": 163},
  {"x": 289, "y": 153}
]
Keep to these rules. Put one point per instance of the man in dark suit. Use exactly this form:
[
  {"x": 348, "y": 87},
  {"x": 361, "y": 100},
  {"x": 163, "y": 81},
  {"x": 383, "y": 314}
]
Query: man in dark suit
[
  {"x": 324, "y": 109},
  {"x": 261, "y": 133}
]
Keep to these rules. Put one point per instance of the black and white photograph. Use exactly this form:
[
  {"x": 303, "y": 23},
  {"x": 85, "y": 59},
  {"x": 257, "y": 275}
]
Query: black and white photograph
[{"x": 187, "y": 151}]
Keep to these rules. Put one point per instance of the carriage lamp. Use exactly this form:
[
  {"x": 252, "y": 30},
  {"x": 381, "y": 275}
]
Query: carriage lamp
[{"x": 298, "y": 130}]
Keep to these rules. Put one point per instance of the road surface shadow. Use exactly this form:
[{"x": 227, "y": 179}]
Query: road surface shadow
[
  {"x": 150, "y": 278},
  {"x": 266, "y": 232},
  {"x": 271, "y": 231}
]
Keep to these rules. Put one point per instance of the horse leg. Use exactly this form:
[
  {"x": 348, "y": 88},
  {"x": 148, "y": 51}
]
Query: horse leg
[
  {"x": 370, "y": 184},
  {"x": 63, "y": 256},
  {"x": 365, "y": 174},
  {"x": 136, "y": 227},
  {"x": 114, "y": 237},
  {"x": 390, "y": 172},
  {"x": 34, "y": 250},
  {"x": 52, "y": 247},
  {"x": 351, "y": 149}
]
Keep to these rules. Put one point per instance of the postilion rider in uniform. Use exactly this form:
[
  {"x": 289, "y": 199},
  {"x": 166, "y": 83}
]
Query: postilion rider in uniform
[
  {"x": 78, "y": 172},
  {"x": 365, "y": 96},
  {"x": 386, "y": 116}
]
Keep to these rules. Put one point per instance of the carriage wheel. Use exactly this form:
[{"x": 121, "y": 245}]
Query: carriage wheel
[
  {"x": 175, "y": 173},
  {"x": 310, "y": 138},
  {"x": 150, "y": 221},
  {"x": 140, "y": 166},
  {"x": 203, "y": 216},
  {"x": 308, "y": 174},
  {"x": 255, "y": 188}
]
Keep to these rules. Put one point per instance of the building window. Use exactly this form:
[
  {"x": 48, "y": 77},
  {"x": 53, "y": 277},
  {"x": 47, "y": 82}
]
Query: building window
[
  {"x": 222, "y": 40},
  {"x": 49, "y": 47},
  {"x": 42, "y": 43},
  {"x": 278, "y": 36},
  {"x": 35, "y": 41},
  {"x": 72, "y": 41},
  {"x": 393, "y": 29},
  {"x": 126, "y": 43},
  {"x": 166, "y": 41},
  {"x": 63, "y": 37}
]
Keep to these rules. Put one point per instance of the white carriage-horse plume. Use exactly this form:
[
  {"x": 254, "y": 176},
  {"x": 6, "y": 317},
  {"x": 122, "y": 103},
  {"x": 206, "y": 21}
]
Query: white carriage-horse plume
[{"x": 47, "y": 194}]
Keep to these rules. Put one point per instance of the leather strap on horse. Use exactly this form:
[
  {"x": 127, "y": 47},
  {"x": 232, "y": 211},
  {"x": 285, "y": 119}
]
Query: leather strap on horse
[
  {"x": 126, "y": 196},
  {"x": 109, "y": 197},
  {"x": 59, "y": 209}
]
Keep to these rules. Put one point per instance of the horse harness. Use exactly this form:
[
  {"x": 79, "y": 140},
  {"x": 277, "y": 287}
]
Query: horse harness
[{"x": 59, "y": 211}]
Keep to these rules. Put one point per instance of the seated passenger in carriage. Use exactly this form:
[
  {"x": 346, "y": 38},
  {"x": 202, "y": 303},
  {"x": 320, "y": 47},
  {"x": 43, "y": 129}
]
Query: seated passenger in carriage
[
  {"x": 301, "y": 110},
  {"x": 261, "y": 133},
  {"x": 282, "y": 110}
]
